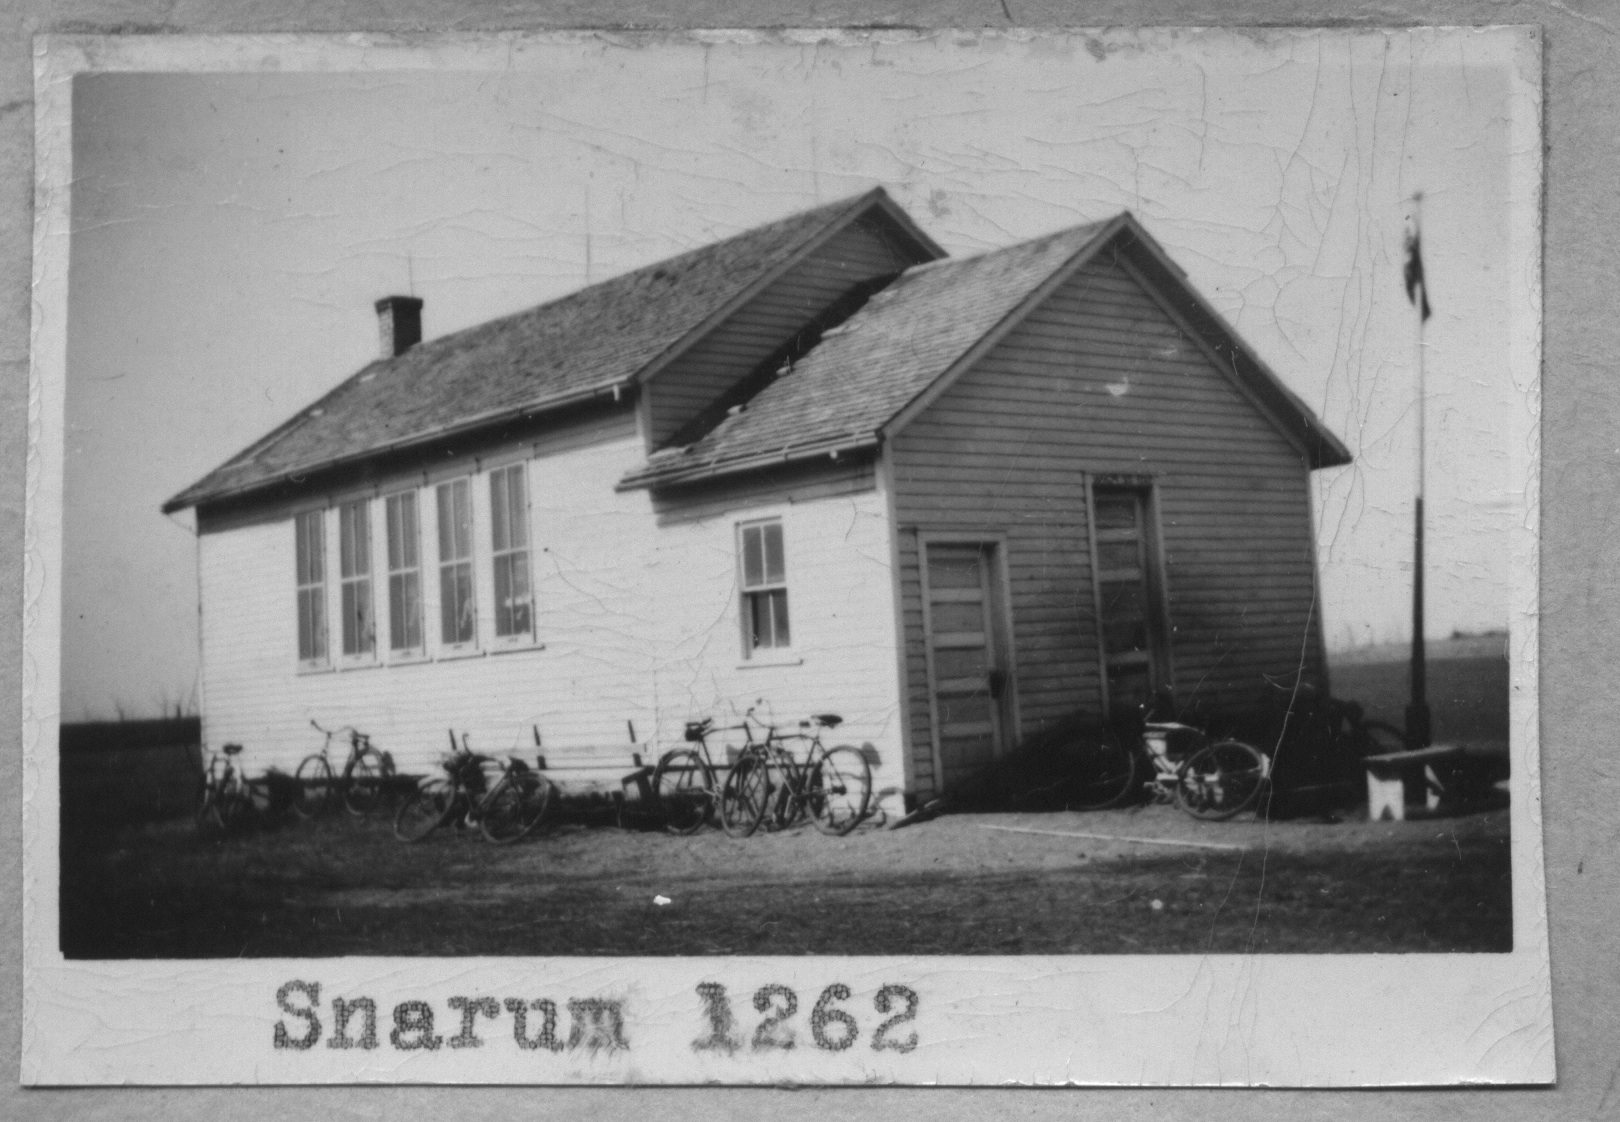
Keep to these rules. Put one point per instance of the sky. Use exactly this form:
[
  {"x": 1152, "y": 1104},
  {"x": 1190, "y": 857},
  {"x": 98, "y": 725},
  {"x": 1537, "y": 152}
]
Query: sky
[{"x": 231, "y": 232}]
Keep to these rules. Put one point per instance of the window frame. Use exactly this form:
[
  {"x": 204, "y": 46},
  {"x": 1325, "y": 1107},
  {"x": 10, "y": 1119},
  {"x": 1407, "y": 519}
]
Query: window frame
[
  {"x": 469, "y": 561},
  {"x": 524, "y": 549},
  {"x": 773, "y": 592},
  {"x": 354, "y": 546},
  {"x": 1160, "y": 655},
  {"x": 318, "y": 590},
  {"x": 392, "y": 501}
]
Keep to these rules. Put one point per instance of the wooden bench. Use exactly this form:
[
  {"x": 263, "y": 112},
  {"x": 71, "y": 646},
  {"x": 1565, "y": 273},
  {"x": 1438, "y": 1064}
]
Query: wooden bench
[
  {"x": 1395, "y": 778},
  {"x": 622, "y": 773}
]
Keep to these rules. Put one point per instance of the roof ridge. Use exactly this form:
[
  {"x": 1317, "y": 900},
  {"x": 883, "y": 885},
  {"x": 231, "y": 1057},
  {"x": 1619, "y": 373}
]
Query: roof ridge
[
  {"x": 1090, "y": 229},
  {"x": 652, "y": 268}
]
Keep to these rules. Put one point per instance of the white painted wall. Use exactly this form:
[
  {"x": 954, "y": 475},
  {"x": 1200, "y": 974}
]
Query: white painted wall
[{"x": 635, "y": 622}]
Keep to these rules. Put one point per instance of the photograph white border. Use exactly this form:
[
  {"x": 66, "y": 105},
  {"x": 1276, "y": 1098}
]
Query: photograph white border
[{"x": 1268, "y": 1020}]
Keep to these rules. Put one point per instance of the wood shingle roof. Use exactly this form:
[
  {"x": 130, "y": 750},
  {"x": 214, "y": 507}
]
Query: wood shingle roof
[
  {"x": 862, "y": 373},
  {"x": 865, "y": 377},
  {"x": 861, "y": 379},
  {"x": 589, "y": 342}
]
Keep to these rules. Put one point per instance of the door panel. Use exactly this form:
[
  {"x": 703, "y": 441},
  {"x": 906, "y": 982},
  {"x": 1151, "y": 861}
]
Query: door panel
[{"x": 967, "y": 669}]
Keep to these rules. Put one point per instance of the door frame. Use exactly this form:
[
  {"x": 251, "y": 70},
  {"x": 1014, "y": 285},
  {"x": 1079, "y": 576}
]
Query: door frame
[
  {"x": 1001, "y": 634},
  {"x": 1163, "y": 667}
]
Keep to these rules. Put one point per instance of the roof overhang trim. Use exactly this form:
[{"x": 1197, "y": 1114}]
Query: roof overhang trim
[
  {"x": 1322, "y": 448},
  {"x": 653, "y": 478},
  {"x": 614, "y": 389}
]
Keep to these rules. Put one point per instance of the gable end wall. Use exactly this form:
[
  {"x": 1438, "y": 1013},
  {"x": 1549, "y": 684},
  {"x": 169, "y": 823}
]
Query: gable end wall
[
  {"x": 690, "y": 384},
  {"x": 1100, "y": 380}
]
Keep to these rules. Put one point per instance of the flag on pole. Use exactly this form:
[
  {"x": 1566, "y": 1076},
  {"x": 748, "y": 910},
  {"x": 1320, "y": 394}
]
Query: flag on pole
[{"x": 1417, "y": 289}]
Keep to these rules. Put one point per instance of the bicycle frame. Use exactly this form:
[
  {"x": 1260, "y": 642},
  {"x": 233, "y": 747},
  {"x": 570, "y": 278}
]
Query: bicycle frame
[
  {"x": 796, "y": 773},
  {"x": 226, "y": 795},
  {"x": 464, "y": 791},
  {"x": 359, "y": 744},
  {"x": 1168, "y": 761},
  {"x": 698, "y": 733}
]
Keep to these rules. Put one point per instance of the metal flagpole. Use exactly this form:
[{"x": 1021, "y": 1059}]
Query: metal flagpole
[{"x": 1418, "y": 727}]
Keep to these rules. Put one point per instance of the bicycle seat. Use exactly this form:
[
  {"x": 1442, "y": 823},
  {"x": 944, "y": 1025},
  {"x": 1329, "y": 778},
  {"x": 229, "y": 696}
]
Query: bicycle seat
[
  {"x": 696, "y": 730},
  {"x": 827, "y": 720},
  {"x": 232, "y": 749}
]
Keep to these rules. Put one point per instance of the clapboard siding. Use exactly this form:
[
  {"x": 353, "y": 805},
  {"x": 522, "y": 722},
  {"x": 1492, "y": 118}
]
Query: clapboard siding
[
  {"x": 1100, "y": 380},
  {"x": 636, "y": 621},
  {"x": 693, "y": 382}
]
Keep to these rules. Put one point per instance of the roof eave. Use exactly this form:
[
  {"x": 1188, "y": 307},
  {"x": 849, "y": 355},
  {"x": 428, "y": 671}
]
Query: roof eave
[
  {"x": 653, "y": 479},
  {"x": 188, "y": 498}
]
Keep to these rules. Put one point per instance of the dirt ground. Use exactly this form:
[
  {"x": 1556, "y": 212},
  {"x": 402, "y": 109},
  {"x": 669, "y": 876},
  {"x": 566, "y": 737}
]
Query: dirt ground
[
  {"x": 963, "y": 884},
  {"x": 966, "y": 884}
]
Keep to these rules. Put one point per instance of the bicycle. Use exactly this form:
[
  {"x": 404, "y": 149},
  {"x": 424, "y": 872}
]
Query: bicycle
[
  {"x": 367, "y": 775},
  {"x": 683, "y": 783},
  {"x": 1206, "y": 778},
  {"x": 831, "y": 786},
  {"x": 504, "y": 813},
  {"x": 226, "y": 802}
]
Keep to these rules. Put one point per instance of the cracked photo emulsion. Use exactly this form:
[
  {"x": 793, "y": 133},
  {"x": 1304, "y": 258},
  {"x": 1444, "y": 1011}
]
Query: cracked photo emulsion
[{"x": 950, "y": 557}]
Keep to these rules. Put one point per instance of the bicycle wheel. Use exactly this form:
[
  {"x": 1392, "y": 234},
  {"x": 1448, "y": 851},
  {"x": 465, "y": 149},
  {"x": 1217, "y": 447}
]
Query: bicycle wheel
[
  {"x": 1221, "y": 780},
  {"x": 785, "y": 791},
  {"x": 515, "y": 807},
  {"x": 210, "y": 820},
  {"x": 1110, "y": 776},
  {"x": 314, "y": 792},
  {"x": 236, "y": 806},
  {"x": 683, "y": 787},
  {"x": 424, "y": 810},
  {"x": 363, "y": 783},
  {"x": 744, "y": 797},
  {"x": 840, "y": 790}
]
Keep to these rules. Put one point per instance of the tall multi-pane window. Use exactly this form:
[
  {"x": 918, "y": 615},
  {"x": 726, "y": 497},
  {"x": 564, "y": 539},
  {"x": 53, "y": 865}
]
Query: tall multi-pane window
[
  {"x": 509, "y": 532},
  {"x": 309, "y": 530},
  {"x": 764, "y": 587},
  {"x": 404, "y": 573},
  {"x": 354, "y": 576},
  {"x": 458, "y": 617}
]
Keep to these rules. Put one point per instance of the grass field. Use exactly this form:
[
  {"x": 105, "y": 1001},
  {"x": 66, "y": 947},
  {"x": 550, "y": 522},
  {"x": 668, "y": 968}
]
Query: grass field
[
  {"x": 1468, "y": 687},
  {"x": 962, "y": 884}
]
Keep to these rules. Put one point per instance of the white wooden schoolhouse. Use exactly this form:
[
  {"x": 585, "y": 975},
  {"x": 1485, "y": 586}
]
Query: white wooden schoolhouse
[{"x": 818, "y": 464}]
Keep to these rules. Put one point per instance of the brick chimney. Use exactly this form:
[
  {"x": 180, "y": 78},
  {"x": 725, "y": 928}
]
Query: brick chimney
[{"x": 399, "y": 324}]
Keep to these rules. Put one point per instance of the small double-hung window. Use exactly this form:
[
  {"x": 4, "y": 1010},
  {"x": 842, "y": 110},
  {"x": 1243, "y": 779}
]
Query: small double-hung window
[
  {"x": 458, "y": 615},
  {"x": 310, "y": 547},
  {"x": 354, "y": 577},
  {"x": 509, "y": 538},
  {"x": 764, "y": 587}
]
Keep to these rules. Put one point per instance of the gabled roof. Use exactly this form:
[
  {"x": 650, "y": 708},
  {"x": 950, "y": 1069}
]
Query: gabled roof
[
  {"x": 868, "y": 377},
  {"x": 594, "y": 341},
  {"x": 864, "y": 372}
]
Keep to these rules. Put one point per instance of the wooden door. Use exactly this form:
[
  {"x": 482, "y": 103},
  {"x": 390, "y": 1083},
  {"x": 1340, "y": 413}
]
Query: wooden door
[
  {"x": 968, "y": 673},
  {"x": 1129, "y": 597}
]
